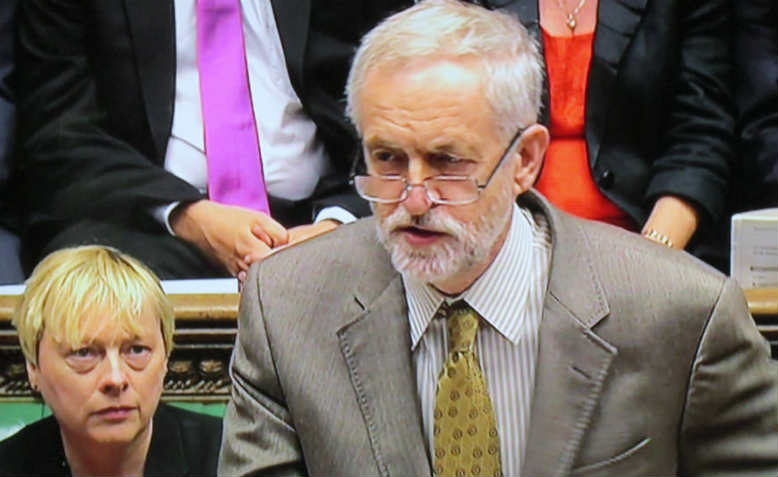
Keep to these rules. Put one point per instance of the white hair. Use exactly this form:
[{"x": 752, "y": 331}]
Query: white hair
[{"x": 510, "y": 58}]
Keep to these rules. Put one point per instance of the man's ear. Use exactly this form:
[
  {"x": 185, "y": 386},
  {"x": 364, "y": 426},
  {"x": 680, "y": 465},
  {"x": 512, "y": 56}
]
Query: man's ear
[
  {"x": 32, "y": 375},
  {"x": 532, "y": 149}
]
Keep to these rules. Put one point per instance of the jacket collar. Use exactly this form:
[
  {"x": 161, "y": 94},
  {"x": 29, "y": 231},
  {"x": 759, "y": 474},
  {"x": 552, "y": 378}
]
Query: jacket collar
[
  {"x": 293, "y": 21},
  {"x": 572, "y": 362},
  {"x": 152, "y": 29},
  {"x": 376, "y": 347}
]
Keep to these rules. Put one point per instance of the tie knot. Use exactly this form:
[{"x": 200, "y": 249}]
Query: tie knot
[{"x": 462, "y": 323}]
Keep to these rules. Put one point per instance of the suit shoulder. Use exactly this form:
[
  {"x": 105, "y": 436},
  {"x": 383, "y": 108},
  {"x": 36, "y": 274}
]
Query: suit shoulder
[
  {"x": 351, "y": 251},
  {"x": 347, "y": 241},
  {"x": 616, "y": 247},
  {"x": 34, "y": 443}
]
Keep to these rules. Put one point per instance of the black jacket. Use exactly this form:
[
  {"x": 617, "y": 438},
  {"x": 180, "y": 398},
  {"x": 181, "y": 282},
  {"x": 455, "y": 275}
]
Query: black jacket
[{"x": 182, "y": 443}]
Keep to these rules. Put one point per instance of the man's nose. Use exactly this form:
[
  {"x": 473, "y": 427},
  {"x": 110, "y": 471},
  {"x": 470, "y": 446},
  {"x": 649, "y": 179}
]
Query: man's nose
[
  {"x": 114, "y": 379},
  {"x": 417, "y": 203}
]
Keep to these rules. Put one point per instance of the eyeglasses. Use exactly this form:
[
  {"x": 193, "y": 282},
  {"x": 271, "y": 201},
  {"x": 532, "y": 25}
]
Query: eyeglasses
[{"x": 446, "y": 190}]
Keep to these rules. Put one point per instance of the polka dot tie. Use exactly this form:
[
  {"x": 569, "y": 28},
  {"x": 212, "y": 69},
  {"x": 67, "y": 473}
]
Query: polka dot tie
[{"x": 465, "y": 432}]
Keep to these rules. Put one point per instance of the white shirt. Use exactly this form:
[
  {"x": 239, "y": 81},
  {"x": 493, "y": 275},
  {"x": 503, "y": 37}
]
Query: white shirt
[
  {"x": 293, "y": 159},
  {"x": 509, "y": 297}
]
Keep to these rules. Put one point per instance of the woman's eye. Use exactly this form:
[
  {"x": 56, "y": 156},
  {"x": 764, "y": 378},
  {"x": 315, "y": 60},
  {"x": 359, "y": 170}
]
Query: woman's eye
[
  {"x": 83, "y": 359},
  {"x": 137, "y": 350},
  {"x": 83, "y": 353},
  {"x": 137, "y": 355}
]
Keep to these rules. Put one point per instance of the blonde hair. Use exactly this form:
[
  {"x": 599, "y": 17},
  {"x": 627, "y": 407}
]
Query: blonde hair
[
  {"x": 509, "y": 56},
  {"x": 71, "y": 285}
]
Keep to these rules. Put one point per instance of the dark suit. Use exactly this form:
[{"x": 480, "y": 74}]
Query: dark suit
[
  {"x": 659, "y": 117},
  {"x": 182, "y": 443},
  {"x": 97, "y": 84},
  {"x": 756, "y": 96},
  {"x": 755, "y": 168},
  {"x": 648, "y": 363},
  {"x": 10, "y": 271}
]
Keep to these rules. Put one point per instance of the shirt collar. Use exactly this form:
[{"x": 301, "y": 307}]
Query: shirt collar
[{"x": 499, "y": 295}]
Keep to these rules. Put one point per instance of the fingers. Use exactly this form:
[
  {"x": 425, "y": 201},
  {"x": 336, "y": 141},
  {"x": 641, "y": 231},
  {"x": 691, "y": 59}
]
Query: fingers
[
  {"x": 268, "y": 228},
  {"x": 260, "y": 233},
  {"x": 305, "y": 232},
  {"x": 253, "y": 250}
]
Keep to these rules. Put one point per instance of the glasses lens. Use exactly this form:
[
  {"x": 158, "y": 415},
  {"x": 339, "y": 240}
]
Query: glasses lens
[
  {"x": 380, "y": 188},
  {"x": 452, "y": 189}
]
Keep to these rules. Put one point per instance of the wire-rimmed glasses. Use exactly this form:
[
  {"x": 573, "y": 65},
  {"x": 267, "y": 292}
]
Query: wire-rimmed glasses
[{"x": 445, "y": 189}]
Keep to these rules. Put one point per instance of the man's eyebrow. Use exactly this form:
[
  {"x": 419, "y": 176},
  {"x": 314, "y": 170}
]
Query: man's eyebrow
[
  {"x": 374, "y": 143},
  {"x": 453, "y": 148}
]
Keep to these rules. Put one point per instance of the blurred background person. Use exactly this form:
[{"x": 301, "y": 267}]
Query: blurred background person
[
  {"x": 10, "y": 266},
  {"x": 755, "y": 170},
  {"x": 638, "y": 103},
  {"x": 119, "y": 100},
  {"x": 96, "y": 331}
]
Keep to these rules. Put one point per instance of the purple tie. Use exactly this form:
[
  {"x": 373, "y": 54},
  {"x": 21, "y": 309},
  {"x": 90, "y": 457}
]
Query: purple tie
[{"x": 231, "y": 144}]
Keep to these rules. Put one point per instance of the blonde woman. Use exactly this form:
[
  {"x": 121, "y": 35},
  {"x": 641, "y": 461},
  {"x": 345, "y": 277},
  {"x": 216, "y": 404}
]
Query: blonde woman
[{"x": 96, "y": 331}]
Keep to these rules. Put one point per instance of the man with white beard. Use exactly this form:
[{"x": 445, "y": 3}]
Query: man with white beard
[{"x": 470, "y": 328}]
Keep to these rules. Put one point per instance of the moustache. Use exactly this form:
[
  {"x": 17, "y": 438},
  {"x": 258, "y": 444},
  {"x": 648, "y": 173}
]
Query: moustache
[{"x": 433, "y": 220}]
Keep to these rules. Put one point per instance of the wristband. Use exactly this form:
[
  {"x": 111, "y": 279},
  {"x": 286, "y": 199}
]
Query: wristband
[{"x": 658, "y": 237}]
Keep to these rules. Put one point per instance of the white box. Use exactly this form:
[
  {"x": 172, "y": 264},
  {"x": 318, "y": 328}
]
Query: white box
[{"x": 754, "y": 250}]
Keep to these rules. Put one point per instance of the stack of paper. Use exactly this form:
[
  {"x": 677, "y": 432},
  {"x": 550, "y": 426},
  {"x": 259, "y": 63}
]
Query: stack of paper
[{"x": 754, "y": 253}]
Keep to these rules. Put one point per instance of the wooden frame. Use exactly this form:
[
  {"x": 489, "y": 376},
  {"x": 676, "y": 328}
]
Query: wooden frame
[{"x": 205, "y": 334}]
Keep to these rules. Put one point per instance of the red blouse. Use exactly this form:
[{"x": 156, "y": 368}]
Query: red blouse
[{"x": 566, "y": 179}]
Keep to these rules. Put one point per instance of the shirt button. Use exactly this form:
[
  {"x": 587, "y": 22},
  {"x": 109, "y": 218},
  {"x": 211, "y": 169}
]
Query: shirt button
[{"x": 606, "y": 179}]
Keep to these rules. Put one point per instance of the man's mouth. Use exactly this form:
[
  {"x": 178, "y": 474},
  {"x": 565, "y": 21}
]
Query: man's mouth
[{"x": 419, "y": 236}]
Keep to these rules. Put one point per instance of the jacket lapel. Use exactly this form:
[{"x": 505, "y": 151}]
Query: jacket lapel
[
  {"x": 572, "y": 361},
  {"x": 377, "y": 351},
  {"x": 153, "y": 37},
  {"x": 292, "y": 21},
  {"x": 617, "y": 22}
]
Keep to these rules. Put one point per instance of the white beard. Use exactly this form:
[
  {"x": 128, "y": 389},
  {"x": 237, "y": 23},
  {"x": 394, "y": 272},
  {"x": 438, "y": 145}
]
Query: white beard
[{"x": 466, "y": 244}]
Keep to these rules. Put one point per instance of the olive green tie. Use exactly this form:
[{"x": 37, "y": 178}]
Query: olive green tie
[{"x": 465, "y": 432}]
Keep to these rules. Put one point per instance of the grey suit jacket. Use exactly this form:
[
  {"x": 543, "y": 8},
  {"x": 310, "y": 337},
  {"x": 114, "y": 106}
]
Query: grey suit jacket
[{"x": 648, "y": 364}]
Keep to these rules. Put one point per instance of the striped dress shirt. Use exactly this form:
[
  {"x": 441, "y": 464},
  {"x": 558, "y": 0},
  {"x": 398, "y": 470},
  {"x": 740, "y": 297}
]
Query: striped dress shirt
[{"x": 509, "y": 298}]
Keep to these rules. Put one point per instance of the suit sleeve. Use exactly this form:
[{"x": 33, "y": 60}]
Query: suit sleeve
[
  {"x": 7, "y": 108},
  {"x": 696, "y": 147},
  {"x": 258, "y": 436},
  {"x": 75, "y": 166},
  {"x": 730, "y": 422},
  {"x": 756, "y": 95}
]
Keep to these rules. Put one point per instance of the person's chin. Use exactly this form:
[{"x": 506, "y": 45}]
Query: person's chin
[
  {"x": 421, "y": 265},
  {"x": 113, "y": 429},
  {"x": 116, "y": 434}
]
